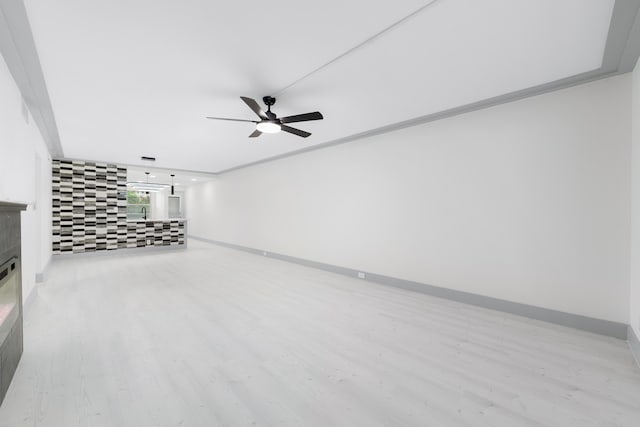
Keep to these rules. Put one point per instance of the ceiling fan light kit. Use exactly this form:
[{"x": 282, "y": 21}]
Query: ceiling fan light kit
[
  {"x": 268, "y": 127},
  {"x": 269, "y": 122}
]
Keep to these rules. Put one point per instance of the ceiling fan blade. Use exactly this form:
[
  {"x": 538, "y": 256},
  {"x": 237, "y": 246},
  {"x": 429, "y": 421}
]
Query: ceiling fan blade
[
  {"x": 255, "y": 134},
  {"x": 232, "y": 120},
  {"x": 316, "y": 115},
  {"x": 254, "y": 107},
  {"x": 295, "y": 131}
]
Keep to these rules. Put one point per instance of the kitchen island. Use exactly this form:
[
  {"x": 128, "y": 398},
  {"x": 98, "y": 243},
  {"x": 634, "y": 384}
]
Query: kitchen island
[{"x": 155, "y": 232}]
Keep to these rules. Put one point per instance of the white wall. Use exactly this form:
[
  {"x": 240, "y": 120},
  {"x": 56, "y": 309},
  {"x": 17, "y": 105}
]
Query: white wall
[
  {"x": 634, "y": 296},
  {"x": 528, "y": 201},
  {"x": 25, "y": 176},
  {"x": 159, "y": 205}
]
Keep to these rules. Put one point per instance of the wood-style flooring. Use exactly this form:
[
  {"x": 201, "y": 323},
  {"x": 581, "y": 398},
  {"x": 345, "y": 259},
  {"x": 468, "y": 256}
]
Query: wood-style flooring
[{"x": 209, "y": 336}]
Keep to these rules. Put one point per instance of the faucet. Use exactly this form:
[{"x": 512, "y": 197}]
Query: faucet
[{"x": 144, "y": 212}]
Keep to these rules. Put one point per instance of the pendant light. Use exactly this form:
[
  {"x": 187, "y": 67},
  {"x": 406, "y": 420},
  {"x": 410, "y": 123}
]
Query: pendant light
[{"x": 172, "y": 192}]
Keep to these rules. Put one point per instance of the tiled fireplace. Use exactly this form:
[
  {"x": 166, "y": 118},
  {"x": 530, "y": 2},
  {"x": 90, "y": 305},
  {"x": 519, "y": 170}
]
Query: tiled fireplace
[{"x": 10, "y": 293}]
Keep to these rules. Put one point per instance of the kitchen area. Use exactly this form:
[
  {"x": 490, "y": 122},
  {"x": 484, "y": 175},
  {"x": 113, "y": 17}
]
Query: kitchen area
[
  {"x": 155, "y": 215},
  {"x": 99, "y": 206}
]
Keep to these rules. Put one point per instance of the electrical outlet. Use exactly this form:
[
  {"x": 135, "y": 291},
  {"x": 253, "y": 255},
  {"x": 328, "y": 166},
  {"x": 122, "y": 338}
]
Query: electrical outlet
[{"x": 360, "y": 275}]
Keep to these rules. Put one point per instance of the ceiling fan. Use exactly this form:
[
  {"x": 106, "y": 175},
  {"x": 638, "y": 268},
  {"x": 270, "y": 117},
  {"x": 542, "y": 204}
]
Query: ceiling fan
[{"x": 269, "y": 122}]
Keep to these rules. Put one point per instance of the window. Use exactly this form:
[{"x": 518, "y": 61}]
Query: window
[{"x": 138, "y": 205}]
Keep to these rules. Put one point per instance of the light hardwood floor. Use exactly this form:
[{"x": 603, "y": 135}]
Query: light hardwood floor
[{"x": 210, "y": 336}]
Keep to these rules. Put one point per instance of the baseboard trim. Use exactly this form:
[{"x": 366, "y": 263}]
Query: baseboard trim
[
  {"x": 576, "y": 321},
  {"x": 634, "y": 344},
  {"x": 42, "y": 276}
]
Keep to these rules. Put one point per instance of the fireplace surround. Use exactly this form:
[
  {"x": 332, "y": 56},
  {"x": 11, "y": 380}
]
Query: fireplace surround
[{"x": 10, "y": 293}]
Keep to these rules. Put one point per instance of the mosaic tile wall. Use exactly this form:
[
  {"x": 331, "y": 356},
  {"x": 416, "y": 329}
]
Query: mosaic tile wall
[
  {"x": 89, "y": 206},
  {"x": 90, "y": 211}
]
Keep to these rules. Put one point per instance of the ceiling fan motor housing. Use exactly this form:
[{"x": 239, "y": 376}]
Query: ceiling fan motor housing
[{"x": 269, "y": 100}]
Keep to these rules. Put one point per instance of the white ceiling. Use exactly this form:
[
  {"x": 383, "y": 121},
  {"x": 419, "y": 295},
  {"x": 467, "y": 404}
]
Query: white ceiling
[{"x": 129, "y": 78}]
